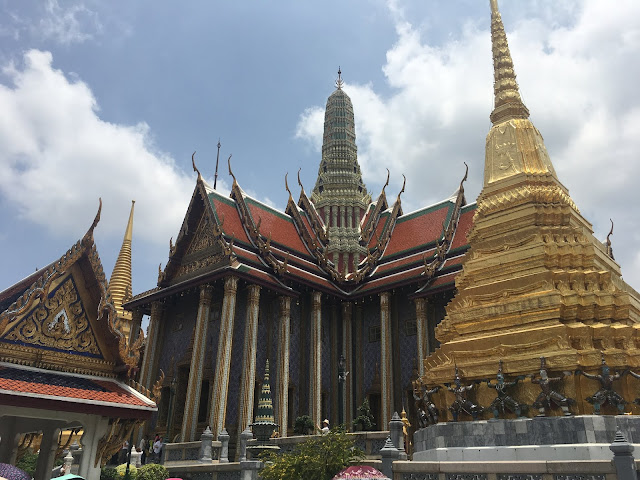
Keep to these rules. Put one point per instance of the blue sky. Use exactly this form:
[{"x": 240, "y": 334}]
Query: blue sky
[{"x": 110, "y": 99}]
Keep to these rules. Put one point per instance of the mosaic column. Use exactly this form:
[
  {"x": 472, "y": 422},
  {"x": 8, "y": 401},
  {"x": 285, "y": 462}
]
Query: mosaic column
[
  {"x": 334, "y": 357},
  {"x": 151, "y": 349},
  {"x": 223, "y": 362},
  {"x": 386, "y": 377},
  {"x": 347, "y": 313},
  {"x": 421, "y": 333},
  {"x": 315, "y": 373},
  {"x": 358, "y": 371},
  {"x": 284, "y": 334},
  {"x": 192, "y": 400},
  {"x": 248, "y": 381}
]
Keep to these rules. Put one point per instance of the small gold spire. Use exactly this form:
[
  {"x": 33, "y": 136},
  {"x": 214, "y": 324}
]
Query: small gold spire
[
  {"x": 508, "y": 103},
  {"x": 120, "y": 283},
  {"x": 339, "y": 82}
]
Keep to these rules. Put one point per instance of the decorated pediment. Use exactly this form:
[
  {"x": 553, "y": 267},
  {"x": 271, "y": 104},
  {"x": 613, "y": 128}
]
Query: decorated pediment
[{"x": 58, "y": 322}]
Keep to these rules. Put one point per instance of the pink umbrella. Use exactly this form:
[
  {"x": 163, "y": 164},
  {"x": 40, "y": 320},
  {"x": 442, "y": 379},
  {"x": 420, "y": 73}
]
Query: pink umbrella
[{"x": 356, "y": 472}]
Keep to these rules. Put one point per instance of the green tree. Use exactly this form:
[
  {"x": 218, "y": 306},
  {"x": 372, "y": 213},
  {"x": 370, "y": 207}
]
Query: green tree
[{"x": 319, "y": 458}]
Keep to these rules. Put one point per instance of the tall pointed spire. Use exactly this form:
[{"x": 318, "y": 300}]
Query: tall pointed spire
[
  {"x": 340, "y": 196},
  {"x": 514, "y": 145},
  {"x": 120, "y": 283},
  {"x": 508, "y": 103}
]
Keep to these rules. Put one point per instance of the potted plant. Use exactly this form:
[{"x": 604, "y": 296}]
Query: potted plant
[
  {"x": 303, "y": 425},
  {"x": 364, "y": 419}
]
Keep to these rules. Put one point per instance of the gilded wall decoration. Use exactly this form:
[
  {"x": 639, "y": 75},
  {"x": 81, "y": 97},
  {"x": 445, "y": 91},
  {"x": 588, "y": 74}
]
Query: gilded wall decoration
[{"x": 59, "y": 322}]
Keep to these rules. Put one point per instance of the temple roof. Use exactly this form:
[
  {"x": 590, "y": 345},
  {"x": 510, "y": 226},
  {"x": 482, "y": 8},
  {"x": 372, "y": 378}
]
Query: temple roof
[
  {"x": 62, "y": 317},
  {"x": 38, "y": 388},
  {"x": 286, "y": 251}
]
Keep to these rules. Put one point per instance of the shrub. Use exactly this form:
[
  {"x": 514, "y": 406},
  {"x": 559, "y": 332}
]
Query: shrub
[
  {"x": 152, "y": 471},
  {"x": 319, "y": 458},
  {"x": 365, "y": 417},
  {"x": 122, "y": 469},
  {"x": 28, "y": 462},
  {"x": 108, "y": 473},
  {"x": 303, "y": 425}
]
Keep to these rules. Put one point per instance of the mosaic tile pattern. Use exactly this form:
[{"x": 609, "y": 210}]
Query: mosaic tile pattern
[{"x": 233, "y": 397}]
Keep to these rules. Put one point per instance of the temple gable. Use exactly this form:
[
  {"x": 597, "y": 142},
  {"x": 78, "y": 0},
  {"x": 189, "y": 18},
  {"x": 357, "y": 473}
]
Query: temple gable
[{"x": 59, "y": 322}]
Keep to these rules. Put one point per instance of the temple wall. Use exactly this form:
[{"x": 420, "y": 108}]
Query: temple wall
[{"x": 179, "y": 320}]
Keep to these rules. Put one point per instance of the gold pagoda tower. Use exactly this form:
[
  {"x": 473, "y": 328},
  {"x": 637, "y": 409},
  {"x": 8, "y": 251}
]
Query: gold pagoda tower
[
  {"x": 535, "y": 281},
  {"x": 120, "y": 283}
]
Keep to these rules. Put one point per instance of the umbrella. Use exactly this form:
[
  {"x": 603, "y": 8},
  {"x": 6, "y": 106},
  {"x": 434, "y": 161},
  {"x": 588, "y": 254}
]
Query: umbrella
[
  {"x": 11, "y": 472},
  {"x": 357, "y": 472}
]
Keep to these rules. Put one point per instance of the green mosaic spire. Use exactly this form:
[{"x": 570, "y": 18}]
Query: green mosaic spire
[
  {"x": 264, "y": 414},
  {"x": 340, "y": 195}
]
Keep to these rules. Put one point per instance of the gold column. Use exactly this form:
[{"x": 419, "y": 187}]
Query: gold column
[
  {"x": 386, "y": 377},
  {"x": 192, "y": 400},
  {"x": 223, "y": 361},
  {"x": 150, "y": 352},
  {"x": 422, "y": 337},
  {"x": 347, "y": 312},
  {"x": 315, "y": 374},
  {"x": 282, "y": 406},
  {"x": 248, "y": 381}
]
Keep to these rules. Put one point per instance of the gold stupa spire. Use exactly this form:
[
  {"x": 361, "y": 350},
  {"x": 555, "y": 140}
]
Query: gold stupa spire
[
  {"x": 508, "y": 103},
  {"x": 535, "y": 282},
  {"x": 120, "y": 282},
  {"x": 514, "y": 145}
]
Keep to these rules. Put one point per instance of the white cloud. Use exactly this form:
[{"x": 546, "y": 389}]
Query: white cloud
[
  {"x": 578, "y": 74},
  {"x": 57, "y": 157},
  {"x": 71, "y": 23}
]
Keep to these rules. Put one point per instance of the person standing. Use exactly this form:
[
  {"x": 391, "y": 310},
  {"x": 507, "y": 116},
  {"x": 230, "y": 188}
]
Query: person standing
[{"x": 157, "y": 448}]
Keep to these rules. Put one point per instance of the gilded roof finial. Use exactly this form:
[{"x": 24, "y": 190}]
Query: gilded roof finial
[
  {"x": 193, "y": 164},
  {"x": 300, "y": 181},
  {"x": 339, "y": 81},
  {"x": 608, "y": 244},
  {"x": 230, "y": 172},
  {"x": 508, "y": 103},
  {"x": 120, "y": 282},
  {"x": 286, "y": 186},
  {"x": 215, "y": 178}
]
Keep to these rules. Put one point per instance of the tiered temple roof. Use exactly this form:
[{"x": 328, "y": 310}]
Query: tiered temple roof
[{"x": 288, "y": 252}]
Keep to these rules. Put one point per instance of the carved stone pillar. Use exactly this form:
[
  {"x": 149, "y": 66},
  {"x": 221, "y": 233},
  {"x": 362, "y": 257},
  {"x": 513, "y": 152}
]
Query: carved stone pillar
[
  {"x": 349, "y": 217},
  {"x": 422, "y": 338},
  {"x": 334, "y": 216},
  {"x": 347, "y": 312},
  {"x": 223, "y": 362},
  {"x": 192, "y": 400},
  {"x": 386, "y": 377},
  {"x": 151, "y": 350},
  {"x": 343, "y": 212},
  {"x": 47, "y": 455},
  {"x": 315, "y": 373},
  {"x": 284, "y": 325},
  {"x": 248, "y": 381}
]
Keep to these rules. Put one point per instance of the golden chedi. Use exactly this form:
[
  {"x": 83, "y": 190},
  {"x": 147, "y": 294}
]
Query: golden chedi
[{"x": 535, "y": 282}]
